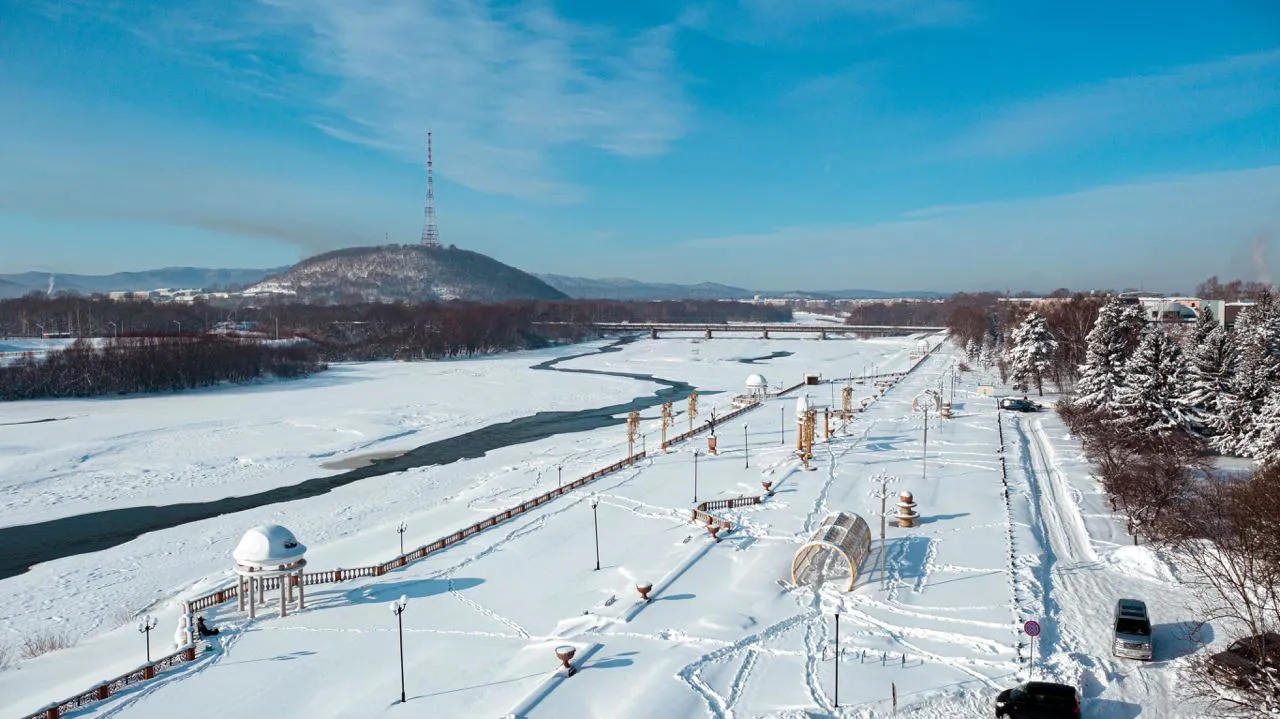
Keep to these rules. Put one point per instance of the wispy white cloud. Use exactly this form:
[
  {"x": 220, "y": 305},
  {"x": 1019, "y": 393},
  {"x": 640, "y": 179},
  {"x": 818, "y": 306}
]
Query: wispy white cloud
[
  {"x": 1181, "y": 99},
  {"x": 769, "y": 21},
  {"x": 502, "y": 84},
  {"x": 1163, "y": 231},
  {"x": 900, "y": 13}
]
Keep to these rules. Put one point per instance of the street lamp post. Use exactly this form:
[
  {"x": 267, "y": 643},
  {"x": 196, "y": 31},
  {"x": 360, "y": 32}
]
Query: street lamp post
[
  {"x": 179, "y": 324},
  {"x": 746, "y": 456},
  {"x": 595, "y": 522},
  {"x": 837, "y": 660},
  {"x": 782, "y": 426},
  {"x": 401, "y": 530},
  {"x": 397, "y": 608},
  {"x": 559, "y": 476},
  {"x": 696, "y": 453},
  {"x": 145, "y": 625},
  {"x": 114, "y": 329}
]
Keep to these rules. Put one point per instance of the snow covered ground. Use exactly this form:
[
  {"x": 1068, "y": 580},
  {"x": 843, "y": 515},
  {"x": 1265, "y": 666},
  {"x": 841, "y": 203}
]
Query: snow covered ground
[{"x": 726, "y": 634}]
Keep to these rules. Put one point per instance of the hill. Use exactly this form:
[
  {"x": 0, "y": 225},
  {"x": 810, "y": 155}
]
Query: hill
[
  {"x": 404, "y": 273},
  {"x": 174, "y": 277},
  {"x": 620, "y": 288}
]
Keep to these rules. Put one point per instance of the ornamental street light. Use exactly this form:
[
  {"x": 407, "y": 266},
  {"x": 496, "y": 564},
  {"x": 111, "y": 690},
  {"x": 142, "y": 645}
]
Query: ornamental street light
[
  {"x": 595, "y": 522},
  {"x": 696, "y": 454},
  {"x": 397, "y": 608},
  {"x": 782, "y": 428},
  {"x": 746, "y": 459},
  {"x": 145, "y": 625},
  {"x": 401, "y": 530},
  {"x": 559, "y": 476}
]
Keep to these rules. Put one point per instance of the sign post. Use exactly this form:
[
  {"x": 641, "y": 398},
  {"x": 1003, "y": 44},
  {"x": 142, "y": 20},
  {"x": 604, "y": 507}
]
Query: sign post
[{"x": 1032, "y": 628}]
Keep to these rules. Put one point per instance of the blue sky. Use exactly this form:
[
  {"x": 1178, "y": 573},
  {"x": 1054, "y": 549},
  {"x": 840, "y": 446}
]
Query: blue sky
[{"x": 888, "y": 144}]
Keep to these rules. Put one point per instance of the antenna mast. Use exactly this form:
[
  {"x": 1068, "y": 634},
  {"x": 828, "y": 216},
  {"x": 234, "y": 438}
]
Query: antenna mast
[{"x": 430, "y": 233}]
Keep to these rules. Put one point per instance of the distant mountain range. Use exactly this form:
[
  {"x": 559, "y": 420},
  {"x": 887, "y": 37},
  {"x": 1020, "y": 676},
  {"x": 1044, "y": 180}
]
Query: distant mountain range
[
  {"x": 614, "y": 288},
  {"x": 404, "y": 273},
  {"x": 16, "y": 285},
  {"x": 618, "y": 288}
]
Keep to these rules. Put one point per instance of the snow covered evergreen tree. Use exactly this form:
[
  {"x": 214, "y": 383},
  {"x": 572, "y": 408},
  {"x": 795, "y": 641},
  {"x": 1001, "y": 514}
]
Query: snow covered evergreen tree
[
  {"x": 1031, "y": 353},
  {"x": 1152, "y": 397},
  {"x": 1210, "y": 372},
  {"x": 1111, "y": 342},
  {"x": 1265, "y": 438},
  {"x": 971, "y": 350},
  {"x": 1257, "y": 351}
]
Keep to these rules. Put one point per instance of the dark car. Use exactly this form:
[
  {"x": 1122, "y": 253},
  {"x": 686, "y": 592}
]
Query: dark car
[
  {"x": 1039, "y": 700},
  {"x": 1246, "y": 657},
  {"x": 1019, "y": 405}
]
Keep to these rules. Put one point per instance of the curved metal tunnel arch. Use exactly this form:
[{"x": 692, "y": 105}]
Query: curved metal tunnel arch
[{"x": 844, "y": 533}]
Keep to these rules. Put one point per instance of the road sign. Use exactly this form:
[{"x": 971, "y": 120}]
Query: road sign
[{"x": 1032, "y": 628}]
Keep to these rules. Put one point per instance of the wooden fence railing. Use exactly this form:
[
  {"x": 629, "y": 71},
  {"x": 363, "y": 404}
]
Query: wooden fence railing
[
  {"x": 110, "y": 687},
  {"x": 226, "y": 594}
]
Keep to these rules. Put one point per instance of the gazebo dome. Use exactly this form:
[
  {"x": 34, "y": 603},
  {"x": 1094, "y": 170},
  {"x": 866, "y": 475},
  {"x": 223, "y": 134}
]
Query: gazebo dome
[
  {"x": 756, "y": 381},
  {"x": 268, "y": 546},
  {"x": 803, "y": 405}
]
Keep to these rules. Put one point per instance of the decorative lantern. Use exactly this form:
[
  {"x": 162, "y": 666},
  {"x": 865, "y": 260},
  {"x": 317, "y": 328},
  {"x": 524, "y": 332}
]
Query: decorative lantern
[{"x": 907, "y": 515}]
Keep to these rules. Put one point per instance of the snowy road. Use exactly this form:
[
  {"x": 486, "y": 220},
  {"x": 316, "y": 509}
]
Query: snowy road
[{"x": 1078, "y": 595}]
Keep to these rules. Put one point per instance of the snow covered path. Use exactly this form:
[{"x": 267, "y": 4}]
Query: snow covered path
[{"x": 1079, "y": 589}]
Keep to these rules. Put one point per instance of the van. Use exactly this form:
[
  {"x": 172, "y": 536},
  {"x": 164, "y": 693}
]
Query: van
[{"x": 1132, "y": 630}]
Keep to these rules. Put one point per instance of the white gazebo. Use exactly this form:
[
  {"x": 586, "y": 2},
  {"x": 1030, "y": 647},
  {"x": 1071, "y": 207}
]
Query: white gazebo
[
  {"x": 757, "y": 386},
  {"x": 265, "y": 553},
  {"x": 843, "y": 540}
]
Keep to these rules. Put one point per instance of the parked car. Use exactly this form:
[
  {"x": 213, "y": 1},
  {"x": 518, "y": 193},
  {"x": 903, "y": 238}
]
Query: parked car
[
  {"x": 1019, "y": 405},
  {"x": 1039, "y": 700},
  {"x": 1246, "y": 657},
  {"x": 1131, "y": 630}
]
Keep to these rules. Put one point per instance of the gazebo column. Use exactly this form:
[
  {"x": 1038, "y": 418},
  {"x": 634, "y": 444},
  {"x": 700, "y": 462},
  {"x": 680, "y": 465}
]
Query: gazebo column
[
  {"x": 288, "y": 579},
  {"x": 284, "y": 604},
  {"x": 262, "y": 592},
  {"x": 301, "y": 603},
  {"x": 252, "y": 612},
  {"x": 240, "y": 592}
]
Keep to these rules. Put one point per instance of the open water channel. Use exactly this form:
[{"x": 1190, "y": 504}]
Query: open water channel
[{"x": 30, "y": 544}]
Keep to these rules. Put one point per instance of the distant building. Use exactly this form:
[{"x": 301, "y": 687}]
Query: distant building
[{"x": 129, "y": 296}]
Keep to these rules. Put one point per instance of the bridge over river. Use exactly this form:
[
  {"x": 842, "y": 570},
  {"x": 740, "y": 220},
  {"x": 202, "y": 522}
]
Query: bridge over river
[{"x": 709, "y": 330}]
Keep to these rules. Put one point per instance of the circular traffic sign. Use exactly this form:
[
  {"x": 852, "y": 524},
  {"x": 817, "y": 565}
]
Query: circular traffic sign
[{"x": 1032, "y": 628}]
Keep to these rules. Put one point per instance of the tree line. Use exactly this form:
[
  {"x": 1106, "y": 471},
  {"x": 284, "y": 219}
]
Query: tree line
[
  {"x": 151, "y": 364},
  {"x": 147, "y": 347}
]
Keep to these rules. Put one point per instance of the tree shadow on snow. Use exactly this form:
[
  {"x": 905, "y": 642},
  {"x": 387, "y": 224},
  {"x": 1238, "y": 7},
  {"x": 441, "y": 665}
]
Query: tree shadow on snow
[{"x": 1179, "y": 639}]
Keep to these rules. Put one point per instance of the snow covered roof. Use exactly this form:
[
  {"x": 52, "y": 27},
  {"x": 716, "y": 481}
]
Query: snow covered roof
[
  {"x": 268, "y": 546},
  {"x": 756, "y": 380}
]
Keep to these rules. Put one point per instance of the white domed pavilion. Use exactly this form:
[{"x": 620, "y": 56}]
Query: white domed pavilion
[
  {"x": 757, "y": 386},
  {"x": 269, "y": 554}
]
